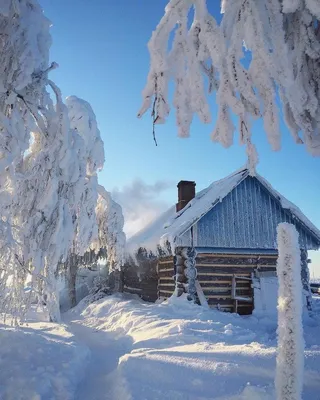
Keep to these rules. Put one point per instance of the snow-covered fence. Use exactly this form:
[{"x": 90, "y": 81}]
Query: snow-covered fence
[{"x": 289, "y": 373}]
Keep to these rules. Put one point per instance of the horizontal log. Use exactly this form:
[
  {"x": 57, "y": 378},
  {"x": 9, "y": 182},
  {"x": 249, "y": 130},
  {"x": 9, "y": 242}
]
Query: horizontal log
[
  {"x": 236, "y": 261},
  {"x": 149, "y": 288},
  {"x": 245, "y": 295},
  {"x": 218, "y": 287},
  {"x": 164, "y": 263},
  {"x": 221, "y": 296},
  {"x": 243, "y": 283},
  {"x": 242, "y": 278},
  {"x": 225, "y": 263},
  {"x": 265, "y": 268},
  {"x": 165, "y": 259},
  {"x": 165, "y": 269},
  {"x": 239, "y": 266},
  {"x": 219, "y": 293},
  {"x": 222, "y": 279},
  {"x": 168, "y": 274},
  {"x": 172, "y": 283},
  {"x": 242, "y": 298},
  {"x": 166, "y": 287},
  {"x": 214, "y": 282},
  {"x": 220, "y": 274},
  {"x": 166, "y": 292},
  {"x": 243, "y": 289},
  {"x": 166, "y": 279},
  {"x": 225, "y": 255},
  {"x": 231, "y": 269},
  {"x": 225, "y": 302},
  {"x": 225, "y": 292}
]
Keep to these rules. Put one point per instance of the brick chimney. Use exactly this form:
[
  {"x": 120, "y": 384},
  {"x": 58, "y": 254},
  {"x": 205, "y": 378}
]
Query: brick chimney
[{"x": 186, "y": 192}]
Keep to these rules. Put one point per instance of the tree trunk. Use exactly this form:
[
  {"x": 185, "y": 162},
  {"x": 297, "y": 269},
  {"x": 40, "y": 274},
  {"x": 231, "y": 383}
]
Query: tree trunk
[
  {"x": 52, "y": 297},
  {"x": 71, "y": 279}
]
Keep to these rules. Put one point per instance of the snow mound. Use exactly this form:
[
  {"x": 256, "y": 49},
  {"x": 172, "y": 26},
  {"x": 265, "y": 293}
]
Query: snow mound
[
  {"x": 180, "y": 351},
  {"x": 39, "y": 361},
  {"x": 120, "y": 348}
]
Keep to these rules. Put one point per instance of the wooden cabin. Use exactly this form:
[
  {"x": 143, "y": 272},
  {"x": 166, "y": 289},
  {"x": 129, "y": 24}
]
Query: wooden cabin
[{"x": 225, "y": 237}]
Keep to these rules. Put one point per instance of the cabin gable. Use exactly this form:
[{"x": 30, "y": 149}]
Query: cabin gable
[{"x": 246, "y": 218}]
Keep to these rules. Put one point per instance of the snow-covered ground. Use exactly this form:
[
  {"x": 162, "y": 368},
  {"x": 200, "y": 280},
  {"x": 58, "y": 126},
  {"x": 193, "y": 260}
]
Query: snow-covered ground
[
  {"x": 40, "y": 361},
  {"x": 123, "y": 349}
]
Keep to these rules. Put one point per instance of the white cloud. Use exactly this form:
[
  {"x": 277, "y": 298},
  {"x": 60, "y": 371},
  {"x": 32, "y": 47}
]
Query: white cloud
[{"x": 141, "y": 203}]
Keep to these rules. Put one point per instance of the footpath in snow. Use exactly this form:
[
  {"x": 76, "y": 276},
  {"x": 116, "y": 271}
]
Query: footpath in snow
[{"x": 122, "y": 349}]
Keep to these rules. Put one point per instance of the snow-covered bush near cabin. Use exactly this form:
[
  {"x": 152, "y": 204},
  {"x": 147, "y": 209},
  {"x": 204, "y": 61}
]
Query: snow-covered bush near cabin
[
  {"x": 290, "y": 358},
  {"x": 110, "y": 230},
  {"x": 259, "y": 49}
]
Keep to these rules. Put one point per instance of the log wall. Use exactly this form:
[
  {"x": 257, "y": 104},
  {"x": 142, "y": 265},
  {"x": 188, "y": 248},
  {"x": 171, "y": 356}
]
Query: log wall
[
  {"x": 166, "y": 272},
  {"x": 215, "y": 273},
  {"x": 142, "y": 282}
]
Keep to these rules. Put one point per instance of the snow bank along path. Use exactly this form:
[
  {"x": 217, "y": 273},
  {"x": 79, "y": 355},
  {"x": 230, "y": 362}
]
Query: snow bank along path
[
  {"x": 178, "y": 351},
  {"x": 122, "y": 349},
  {"x": 40, "y": 362}
]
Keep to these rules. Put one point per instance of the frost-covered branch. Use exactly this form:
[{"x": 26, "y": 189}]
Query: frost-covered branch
[{"x": 263, "y": 53}]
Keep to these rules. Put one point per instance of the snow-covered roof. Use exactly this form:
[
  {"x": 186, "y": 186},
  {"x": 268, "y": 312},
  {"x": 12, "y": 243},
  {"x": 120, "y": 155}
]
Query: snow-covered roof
[{"x": 171, "y": 224}]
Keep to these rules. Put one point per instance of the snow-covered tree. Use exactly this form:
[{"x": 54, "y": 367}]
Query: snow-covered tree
[
  {"x": 110, "y": 230},
  {"x": 50, "y": 184},
  {"x": 262, "y": 54},
  {"x": 24, "y": 51},
  {"x": 290, "y": 358},
  {"x": 83, "y": 122},
  {"x": 48, "y": 162}
]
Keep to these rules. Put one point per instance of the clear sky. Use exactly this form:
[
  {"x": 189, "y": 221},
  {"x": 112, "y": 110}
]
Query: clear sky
[{"x": 101, "y": 48}]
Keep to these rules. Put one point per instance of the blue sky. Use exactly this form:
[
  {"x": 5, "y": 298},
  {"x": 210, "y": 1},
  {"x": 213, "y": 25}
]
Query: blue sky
[{"x": 103, "y": 58}]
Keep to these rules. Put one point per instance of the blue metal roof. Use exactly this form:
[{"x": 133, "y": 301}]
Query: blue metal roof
[{"x": 246, "y": 218}]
